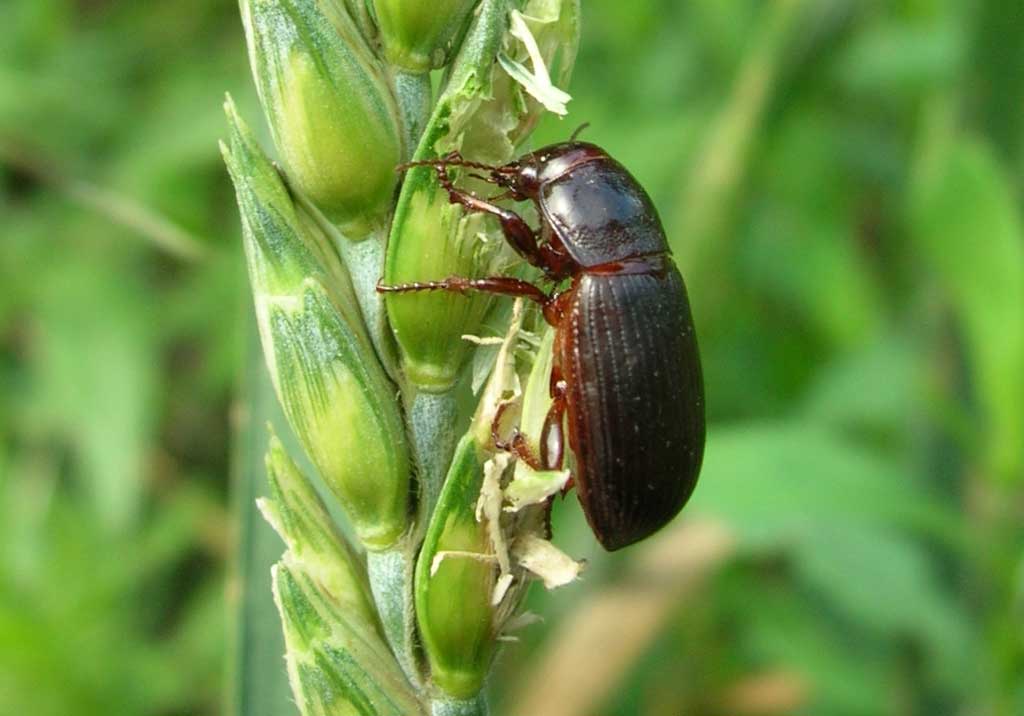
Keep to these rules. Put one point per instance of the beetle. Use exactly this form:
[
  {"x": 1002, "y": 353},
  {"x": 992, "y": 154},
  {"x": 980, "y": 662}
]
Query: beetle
[{"x": 626, "y": 376}]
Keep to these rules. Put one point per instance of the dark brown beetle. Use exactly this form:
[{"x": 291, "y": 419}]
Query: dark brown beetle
[{"x": 626, "y": 366}]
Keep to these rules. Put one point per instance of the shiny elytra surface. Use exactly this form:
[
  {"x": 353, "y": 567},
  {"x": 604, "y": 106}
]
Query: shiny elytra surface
[{"x": 635, "y": 401}]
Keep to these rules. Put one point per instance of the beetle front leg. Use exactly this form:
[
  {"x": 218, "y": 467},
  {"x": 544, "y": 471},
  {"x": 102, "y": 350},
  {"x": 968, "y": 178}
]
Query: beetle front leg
[{"x": 518, "y": 233}]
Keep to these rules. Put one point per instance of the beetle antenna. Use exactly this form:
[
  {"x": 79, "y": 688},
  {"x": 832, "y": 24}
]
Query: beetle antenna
[{"x": 579, "y": 130}]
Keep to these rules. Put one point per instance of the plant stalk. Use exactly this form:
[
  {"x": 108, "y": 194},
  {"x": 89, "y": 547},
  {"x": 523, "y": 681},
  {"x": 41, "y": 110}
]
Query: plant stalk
[{"x": 472, "y": 707}]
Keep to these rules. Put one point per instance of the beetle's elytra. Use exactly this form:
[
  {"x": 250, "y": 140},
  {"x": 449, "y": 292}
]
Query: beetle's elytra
[{"x": 626, "y": 378}]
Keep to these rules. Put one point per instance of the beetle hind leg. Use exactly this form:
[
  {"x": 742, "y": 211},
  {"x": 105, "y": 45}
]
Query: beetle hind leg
[
  {"x": 552, "y": 435},
  {"x": 552, "y": 442},
  {"x": 517, "y": 446}
]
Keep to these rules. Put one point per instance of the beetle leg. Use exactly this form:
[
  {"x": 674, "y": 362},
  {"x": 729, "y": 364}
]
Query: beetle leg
[
  {"x": 555, "y": 309},
  {"x": 552, "y": 443},
  {"x": 516, "y": 444},
  {"x": 552, "y": 435},
  {"x": 516, "y": 230},
  {"x": 569, "y": 484},
  {"x": 553, "y": 306},
  {"x": 454, "y": 159},
  {"x": 502, "y": 285},
  {"x": 521, "y": 450}
]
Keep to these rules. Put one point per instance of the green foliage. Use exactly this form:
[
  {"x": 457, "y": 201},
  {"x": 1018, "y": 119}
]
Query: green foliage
[
  {"x": 330, "y": 384},
  {"x": 258, "y": 685},
  {"x": 418, "y": 37},
  {"x": 968, "y": 225},
  {"x": 857, "y": 288},
  {"x": 119, "y": 348},
  {"x": 317, "y": 77},
  {"x": 454, "y": 582}
]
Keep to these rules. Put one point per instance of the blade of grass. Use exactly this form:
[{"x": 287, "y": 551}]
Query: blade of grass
[
  {"x": 120, "y": 209},
  {"x": 258, "y": 681},
  {"x": 722, "y": 161}
]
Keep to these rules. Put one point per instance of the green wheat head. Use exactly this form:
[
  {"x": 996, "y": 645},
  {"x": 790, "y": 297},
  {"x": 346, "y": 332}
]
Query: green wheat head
[{"x": 392, "y": 400}]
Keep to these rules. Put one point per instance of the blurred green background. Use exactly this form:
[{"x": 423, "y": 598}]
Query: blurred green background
[{"x": 842, "y": 181}]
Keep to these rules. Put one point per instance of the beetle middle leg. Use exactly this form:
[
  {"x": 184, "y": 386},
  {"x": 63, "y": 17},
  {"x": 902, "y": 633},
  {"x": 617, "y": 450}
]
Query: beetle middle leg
[
  {"x": 553, "y": 306},
  {"x": 501, "y": 285}
]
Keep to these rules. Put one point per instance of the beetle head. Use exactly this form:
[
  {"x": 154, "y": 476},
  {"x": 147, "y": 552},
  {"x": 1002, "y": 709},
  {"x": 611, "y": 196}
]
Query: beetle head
[
  {"x": 523, "y": 178},
  {"x": 544, "y": 165},
  {"x": 520, "y": 178}
]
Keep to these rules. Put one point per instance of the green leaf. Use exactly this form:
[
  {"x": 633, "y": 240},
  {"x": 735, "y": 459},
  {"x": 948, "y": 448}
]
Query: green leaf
[
  {"x": 98, "y": 371},
  {"x": 850, "y": 522},
  {"x": 895, "y": 57},
  {"x": 804, "y": 248},
  {"x": 778, "y": 484},
  {"x": 259, "y": 682},
  {"x": 967, "y": 228},
  {"x": 998, "y": 78},
  {"x": 887, "y": 585},
  {"x": 878, "y": 388},
  {"x": 845, "y": 672}
]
